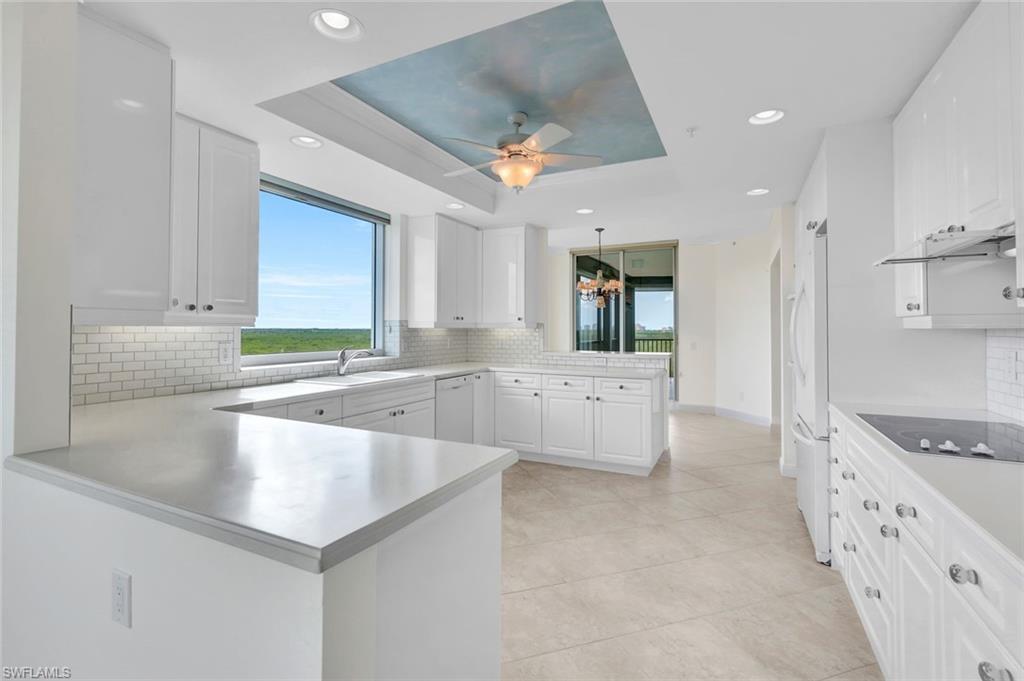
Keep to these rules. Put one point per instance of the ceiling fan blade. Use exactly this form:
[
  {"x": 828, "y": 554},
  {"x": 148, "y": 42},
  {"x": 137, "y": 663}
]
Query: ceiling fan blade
[
  {"x": 494, "y": 150},
  {"x": 548, "y": 136},
  {"x": 463, "y": 171},
  {"x": 571, "y": 160}
]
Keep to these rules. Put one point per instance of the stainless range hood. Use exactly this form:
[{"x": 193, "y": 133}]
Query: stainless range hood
[{"x": 952, "y": 242}]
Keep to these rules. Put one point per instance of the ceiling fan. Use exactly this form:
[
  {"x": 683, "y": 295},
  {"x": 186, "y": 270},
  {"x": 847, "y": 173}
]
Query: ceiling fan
[{"x": 521, "y": 157}]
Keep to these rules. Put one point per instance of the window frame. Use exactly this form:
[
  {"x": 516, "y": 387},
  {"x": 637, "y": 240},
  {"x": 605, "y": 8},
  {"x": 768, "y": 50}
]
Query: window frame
[{"x": 379, "y": 220}]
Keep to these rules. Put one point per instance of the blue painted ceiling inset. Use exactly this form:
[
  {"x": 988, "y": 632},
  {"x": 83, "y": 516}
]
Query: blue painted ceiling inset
[{"x": 564, "y": 65}]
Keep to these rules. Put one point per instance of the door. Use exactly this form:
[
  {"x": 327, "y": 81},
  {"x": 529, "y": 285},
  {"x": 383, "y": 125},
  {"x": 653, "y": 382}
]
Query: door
[
  {"x": 447, "y": 250},
  {"x": 467, "y": 275},
  {"x": 454, "y": 406},
  {"x": 483, "y": 408},
  {"x": 185, "y": 217},
  {"x": 381, "y": 421},
  {"x": 416, "y": 419},
  {"x": 907, "y": 132},
  {"x": 568, "y": 424},
  {"x": 503, "y": 254},
  {"x": 918, "y": 593},
  {"x": 622, "y": 429},
  {"x": 979, "y": 81},
  {"x": 517, "y": 419},
  {"x": 229, "y": 177}
]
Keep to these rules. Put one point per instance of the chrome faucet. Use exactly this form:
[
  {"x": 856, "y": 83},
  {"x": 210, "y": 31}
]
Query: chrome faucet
[{"x": 345, "y": 357}]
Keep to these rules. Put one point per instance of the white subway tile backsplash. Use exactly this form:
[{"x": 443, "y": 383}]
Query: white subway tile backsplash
[{"x": 1005, "y": 372}]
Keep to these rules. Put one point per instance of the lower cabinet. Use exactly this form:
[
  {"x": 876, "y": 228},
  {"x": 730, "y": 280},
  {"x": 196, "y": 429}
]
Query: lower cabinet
[
  {"x": 382, "y": 421},
  {"x": 917, "y": 592},
  {"x": 483, "y": 408},
  {"x": 971, "y": 650},
  {"x": 568, "y": 424},
  {"x": 622, "y": 428},
  {"x": 416, "y": 419},
  {"x": 517, "y": 419}
]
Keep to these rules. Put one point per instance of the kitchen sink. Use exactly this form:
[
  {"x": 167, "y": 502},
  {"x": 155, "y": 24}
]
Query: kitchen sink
[{"x": 362, "y": 378}]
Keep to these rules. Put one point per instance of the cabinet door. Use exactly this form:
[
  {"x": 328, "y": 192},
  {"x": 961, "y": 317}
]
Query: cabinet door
[
  {"x": 467, "y": 275},
  {"x": 447, "y": 250},
  {"x": 381, "y": 421},
  {"x": 502, "y": 260},
  {"x": 229, "y": 177},
  {"x": 970, "y": 647},
  {"x": 937, "y": 205},
  {"x": 517, "y": 419},
  {"x": 185, "y": 217},
  {"x": 483, "y": 408},
  {"x": 979, "y": 59},
  {"x": 568, "y": 424},
  {"x": 622, "y": 429},
  {"x": 917, "y": 590},
  {"x": 122, "y": 211},
  {"x": 416, "y": 419},
  {"x": 907, "y": 132}
]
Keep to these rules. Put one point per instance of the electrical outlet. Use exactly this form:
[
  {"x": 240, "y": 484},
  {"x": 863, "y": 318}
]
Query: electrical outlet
[
  {"x": 224, "y": 353},
  {"x": 121, "y": 598}
]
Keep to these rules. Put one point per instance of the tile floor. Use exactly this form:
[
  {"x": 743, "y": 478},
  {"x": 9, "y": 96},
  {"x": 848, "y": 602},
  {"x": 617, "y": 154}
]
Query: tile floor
[{"x": 702, "y": 571}]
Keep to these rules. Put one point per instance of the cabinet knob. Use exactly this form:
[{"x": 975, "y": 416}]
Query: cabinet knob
[
  {"x": 889, "y": 532},
  {"x": 911, "y": 307},
  {"x": 872, "y": 592},
  {"x": 519, "y": 319},
  {"x": 961, "y": 575},
  {"x": 208, "y": 307},
  {"x": 401, "y": 412},
  {"x": 849, "y": 548},
  {"x": 870, "y": 505},
  {"x": 849, "y": 475},
  {"x": 834, "y": 459},
  {"x": 597, "y": 399},
  {"x": 536, "y": 394},
  {"x": 989, "y": 672},
  {"x": 565, "y": 382},
  {"x": 318, "y": 412},
  {"x": 1010, "y": 293},
  {"x": 832, "y": 490},
  {"x": 622, "y": 387},
  {"x": 191, "y": 307},
  {"x": 904, "y": 511},
  {"x": 833, "y": 514},
  {"x": 588, "y": 397},
  {"x": 515, "y": 380}
]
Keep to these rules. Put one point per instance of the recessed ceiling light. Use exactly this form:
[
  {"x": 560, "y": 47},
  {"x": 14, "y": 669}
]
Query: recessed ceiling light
[
  {"x": 336, "y": 24},
  {"x": 126, "y": 104},
  {"x": 307, "y": 142},
  {"x": 757, "y": 192},
  {"x": 455, "y": 205},
  {"x": 767, "y": 116},
  {"x": 584, "y": 211}
]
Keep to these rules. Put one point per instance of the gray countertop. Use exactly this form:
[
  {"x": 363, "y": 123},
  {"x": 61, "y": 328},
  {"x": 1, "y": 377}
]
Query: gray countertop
[{"x": 990, "y": 493}]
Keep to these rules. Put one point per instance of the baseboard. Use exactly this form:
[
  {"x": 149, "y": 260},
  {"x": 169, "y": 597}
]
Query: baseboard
[
  {"x": 694, "y": 408},
  {"x": 765, "y": 421},
  {"x": 787, "y": 470},
  {"x": 642, "y": 470}
]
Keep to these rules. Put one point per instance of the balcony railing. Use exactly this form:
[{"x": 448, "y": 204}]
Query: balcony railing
[{"x": 654, "y": 344}]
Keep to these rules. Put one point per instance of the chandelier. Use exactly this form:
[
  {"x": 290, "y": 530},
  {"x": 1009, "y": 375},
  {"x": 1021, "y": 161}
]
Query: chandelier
[{"x": 598, "y": 290}]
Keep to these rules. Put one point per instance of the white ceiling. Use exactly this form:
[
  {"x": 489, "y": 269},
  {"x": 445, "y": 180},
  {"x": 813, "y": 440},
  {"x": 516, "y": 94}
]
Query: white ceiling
[{"x": 702, "y": 65}]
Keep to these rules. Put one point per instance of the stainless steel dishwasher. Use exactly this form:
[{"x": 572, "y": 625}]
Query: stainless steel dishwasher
[{"x": 455, "y": 409}]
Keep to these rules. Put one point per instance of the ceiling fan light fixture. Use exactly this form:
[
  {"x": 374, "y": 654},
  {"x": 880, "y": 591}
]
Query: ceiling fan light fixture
[{"x": 516, "y": 172}]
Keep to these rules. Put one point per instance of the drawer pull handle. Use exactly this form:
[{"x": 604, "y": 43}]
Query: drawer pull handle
[
  {"x": 904, "y": 511},
  {"x": 849, "y": 475},
  {"x": 849, "y": 547},
  {"x": 870, "y": 505},
  {"x": 888, "y": 531},
  {"x": 872, "y": 592},
  {"x": 961, "y": 575},
  {"x": 834, "y": 459},
  {"x": 833, "y": 514},
  {"x": 318, "y": 412},
  {"x": 989, "y": 672},
  {"x": 832, "y": 490}
]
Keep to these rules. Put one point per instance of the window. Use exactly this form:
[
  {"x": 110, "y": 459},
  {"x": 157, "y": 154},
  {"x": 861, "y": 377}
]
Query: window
[{"x": 320, "y": 277}]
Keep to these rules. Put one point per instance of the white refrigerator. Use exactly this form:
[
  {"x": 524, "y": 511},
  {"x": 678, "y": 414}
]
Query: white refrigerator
[{"x": 808, "y": 350}]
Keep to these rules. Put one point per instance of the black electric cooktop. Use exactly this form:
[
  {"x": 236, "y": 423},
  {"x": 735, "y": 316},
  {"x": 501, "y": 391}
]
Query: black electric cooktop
[{"x": 981, "y": 440}]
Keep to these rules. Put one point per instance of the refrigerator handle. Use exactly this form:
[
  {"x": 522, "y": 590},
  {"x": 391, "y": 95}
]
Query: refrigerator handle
[
  {"x": 798, "y": 433},
  {"x": 794, "y": 354}
]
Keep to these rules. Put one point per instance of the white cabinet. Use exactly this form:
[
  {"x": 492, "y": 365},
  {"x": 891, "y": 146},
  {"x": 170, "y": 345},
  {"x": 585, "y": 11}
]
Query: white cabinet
[
  {"x": 483, "y": 408},
  {"x": 215, "y": 235},
  {"x": 568, "y": 424},
  {"x": 381, "y": 421},
  {"x": 416, "y": 419},
  {"x": 970, "y": 650},
  {"x": 512, "y": 284},
  {"x": 917, "y": 590},
  {"x": 517, "y": 419},
  {"x": 622, "y": 428},
  {"x": 124, "y": 97},
  {"x": 908, "y": 183},
  {"x": 444, "y": 273}
]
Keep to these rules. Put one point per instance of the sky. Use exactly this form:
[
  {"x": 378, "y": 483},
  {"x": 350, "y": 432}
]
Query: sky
[
  {"x": 316, "y": 267},
  {"x": 654, "y": 309}
]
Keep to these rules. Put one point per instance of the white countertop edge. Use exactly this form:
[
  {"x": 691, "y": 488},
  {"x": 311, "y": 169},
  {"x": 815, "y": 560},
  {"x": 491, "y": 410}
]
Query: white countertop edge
[
  {"x": 296, "y": 554},
  {"x": 897, "y": 453}
]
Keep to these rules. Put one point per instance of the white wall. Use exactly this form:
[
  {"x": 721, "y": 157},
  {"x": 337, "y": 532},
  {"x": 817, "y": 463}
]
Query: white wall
[
  {"x": 696, "y": 293},
  {"x": 743, "y": 327},
  {"x": 558, "y": 327}
]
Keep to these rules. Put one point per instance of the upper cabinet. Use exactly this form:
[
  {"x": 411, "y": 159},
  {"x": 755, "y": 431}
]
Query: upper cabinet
[
  {"x": 954, "y": 152},
  {"x": 512, "y": 286},
  {"x": 120, "y": 266},
  {"x": 444, "y": 273},
  {"x": 215, "y": 227}
]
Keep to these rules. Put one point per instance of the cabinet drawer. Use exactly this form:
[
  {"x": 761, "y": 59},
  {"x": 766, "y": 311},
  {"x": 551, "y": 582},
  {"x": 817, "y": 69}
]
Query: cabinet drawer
[
  {"x": 995, "y": 588},
  {"x": 279, "y": 411},
  {"x": 320, "y": 410},
  {"x": 867, "y": 515},
  {"x": 921, "y": 512},
  {"x": 507, "y": 380},
  {"x": 862, "y": 454},
  {"x": 623, "y": 386},
  {"x": 375, "y": 400},
  {"x": 875, "y": 605},
  {"x": 576, "y": 384}
]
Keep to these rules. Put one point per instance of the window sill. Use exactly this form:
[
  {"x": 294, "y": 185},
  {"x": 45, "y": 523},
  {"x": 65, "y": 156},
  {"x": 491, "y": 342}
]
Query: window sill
[{"x": 314, "y": 364}]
